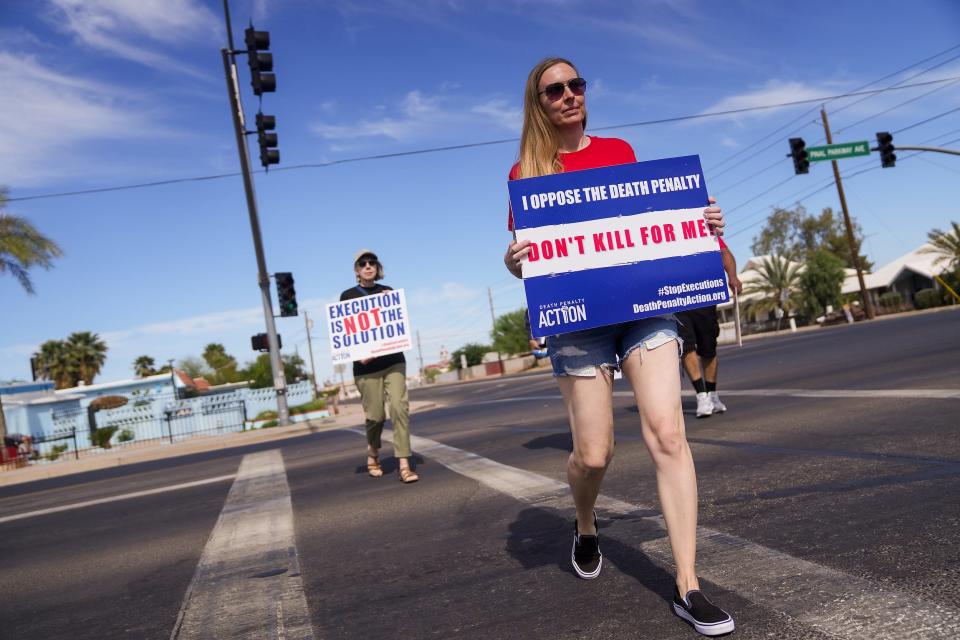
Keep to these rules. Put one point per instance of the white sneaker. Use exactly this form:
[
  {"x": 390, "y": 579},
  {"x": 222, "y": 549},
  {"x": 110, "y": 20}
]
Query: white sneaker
[
  {"x": 718, "y": 407},
  {"x": 704, "y": 405}
]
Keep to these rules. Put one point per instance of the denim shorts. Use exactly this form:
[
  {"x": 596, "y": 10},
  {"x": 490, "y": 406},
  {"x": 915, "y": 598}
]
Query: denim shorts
[{"x": 581, "y": 352}]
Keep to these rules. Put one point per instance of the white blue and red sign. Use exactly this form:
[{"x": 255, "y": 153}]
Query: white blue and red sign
[
  {"x": 615, "y": 244},
  {"x": 369, "y": 327}
]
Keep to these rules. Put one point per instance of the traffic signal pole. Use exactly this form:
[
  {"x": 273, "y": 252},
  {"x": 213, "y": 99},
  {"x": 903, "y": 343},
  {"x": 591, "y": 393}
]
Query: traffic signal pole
[
  {"x": 855, "y": 255},
  {"x": 263, "y": 278}
]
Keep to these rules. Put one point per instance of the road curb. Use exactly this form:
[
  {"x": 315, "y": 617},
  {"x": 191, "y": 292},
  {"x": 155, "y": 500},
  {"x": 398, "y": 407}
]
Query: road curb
[{"x": 352, "y": 417}]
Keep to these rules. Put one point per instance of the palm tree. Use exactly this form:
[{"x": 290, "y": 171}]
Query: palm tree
[
  {"x": 88, "y": 352},
  {"x": 23, "y": 247},
  {"x": 947, "y": 245},
  {"x": 777, "y": 278},
  {"x": 53, "y": 363},
  {"x": 143, "y": 366}
]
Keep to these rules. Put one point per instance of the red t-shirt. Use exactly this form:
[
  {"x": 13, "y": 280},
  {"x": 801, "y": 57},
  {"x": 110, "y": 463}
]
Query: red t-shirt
[{"x": 601, "y": 152}]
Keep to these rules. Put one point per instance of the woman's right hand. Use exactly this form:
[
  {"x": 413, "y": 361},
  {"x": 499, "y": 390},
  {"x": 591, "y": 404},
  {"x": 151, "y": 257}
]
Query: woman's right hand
[{"x": 515, "y": 256}]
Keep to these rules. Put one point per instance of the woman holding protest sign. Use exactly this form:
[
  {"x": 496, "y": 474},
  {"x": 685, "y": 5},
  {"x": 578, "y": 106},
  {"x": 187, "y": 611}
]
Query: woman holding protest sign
[
  {"x": 553, "y": 140},
  {"x": 376, "y": 377}
]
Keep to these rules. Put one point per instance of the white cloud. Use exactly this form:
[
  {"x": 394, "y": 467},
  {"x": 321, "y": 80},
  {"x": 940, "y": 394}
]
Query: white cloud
[
  {"x": 120, "y": 27},
  {"x": 45, "y": 113},
  {"x": 729, "y": 142},
  {"x": 442, "y": 296},
  {"x": 774, "y": 92},
  {"x": 500, "y": 112},
  {"x": 420, "y": 116}
]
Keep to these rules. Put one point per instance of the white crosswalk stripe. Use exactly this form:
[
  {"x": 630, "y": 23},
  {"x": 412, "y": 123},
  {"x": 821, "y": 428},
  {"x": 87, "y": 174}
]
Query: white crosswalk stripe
[
  {"x": 831, "y": 601},
  {"x": 247, "y": 585}
]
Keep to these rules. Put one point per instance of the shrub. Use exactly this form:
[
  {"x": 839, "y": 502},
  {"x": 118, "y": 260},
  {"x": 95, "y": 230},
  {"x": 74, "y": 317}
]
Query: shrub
[
  {"x": 891, "y": 300},
  {"x": 268, "y": 424},
  {"x": 927, "y": 298},
  {"x": 108, "y": 402},
  {"x": 431, "y": 374},
  {"x": 126, "y": 435},
  {"x": 56, "y": 451},
  {"x": 101, "y": 437},
  {"x": 307, "y": 407},
  {"x": 263, "y": 415}
]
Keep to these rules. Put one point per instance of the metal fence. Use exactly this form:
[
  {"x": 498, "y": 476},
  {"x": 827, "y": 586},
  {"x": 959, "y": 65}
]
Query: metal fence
[{"x": 79, "y": 432}]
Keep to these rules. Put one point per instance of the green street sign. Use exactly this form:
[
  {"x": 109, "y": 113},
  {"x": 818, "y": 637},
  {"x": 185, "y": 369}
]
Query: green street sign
[{"x": 838, "y": 151}]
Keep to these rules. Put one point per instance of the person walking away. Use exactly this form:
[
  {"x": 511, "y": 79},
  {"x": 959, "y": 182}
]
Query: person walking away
[{"x": 699, "y": 329}]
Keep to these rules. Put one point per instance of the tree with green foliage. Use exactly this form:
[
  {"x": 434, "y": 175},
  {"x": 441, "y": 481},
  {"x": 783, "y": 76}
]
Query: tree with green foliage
[
  {"x": 260, "y": 373},
  {"x": 143, "y": 366},
  {"x": 23, "y": 247},
  {"x": 946, "y": 245},
  {"x": 68, "y": 362},
  {"x": 777, "y": 282},
  {"x": 510, "y": 332},
  {"x": 473, "y": 351},
  {"x": 223, "y": 366},
  {"x": 88, "y": 353},
  {"x": 796, "y": 235},
  {"x": 820, "y": 282},
  {"x": 193, "y": 367},
  {"x": 54, "y": 364}
]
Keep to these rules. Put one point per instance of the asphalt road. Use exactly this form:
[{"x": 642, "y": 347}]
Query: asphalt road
[{"x": 828, "y": 508}]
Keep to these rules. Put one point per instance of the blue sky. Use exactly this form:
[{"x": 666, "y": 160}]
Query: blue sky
[{"x": 102, "y": 93}]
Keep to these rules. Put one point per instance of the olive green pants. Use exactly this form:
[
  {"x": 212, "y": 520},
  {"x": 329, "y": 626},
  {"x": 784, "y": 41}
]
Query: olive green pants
[{"x": 392, "y": 381}]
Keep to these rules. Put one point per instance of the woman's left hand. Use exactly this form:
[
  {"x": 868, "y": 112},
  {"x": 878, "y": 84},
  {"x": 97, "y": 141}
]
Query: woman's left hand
[{"x": 714, "y": 217}]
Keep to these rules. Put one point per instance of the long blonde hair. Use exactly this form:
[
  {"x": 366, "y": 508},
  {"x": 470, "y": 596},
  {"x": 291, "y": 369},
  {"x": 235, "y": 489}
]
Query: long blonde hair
[{"x": 539, "y": 143}]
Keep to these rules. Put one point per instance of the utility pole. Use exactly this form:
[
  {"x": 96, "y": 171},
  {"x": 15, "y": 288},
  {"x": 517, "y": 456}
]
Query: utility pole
[
  {"x": 313, "y": 370},
  {"x": 493, "y": 321},
  {"x": 3, "y": 426},
  {"x": 855, "y": 255},
  {"x": 420, "y": 351},
  {"x": 263, "y": 279}
]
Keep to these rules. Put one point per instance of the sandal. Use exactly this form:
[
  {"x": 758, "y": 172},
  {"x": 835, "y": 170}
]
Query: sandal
[
  {"x": 406, "y": 475},
  {"x": 374, "y": 468}
]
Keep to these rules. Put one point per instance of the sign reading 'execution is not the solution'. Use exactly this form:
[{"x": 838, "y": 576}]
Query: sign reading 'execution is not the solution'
[
  {"x": 369, "y": 327},
  {"x": 615, "y": 244}
]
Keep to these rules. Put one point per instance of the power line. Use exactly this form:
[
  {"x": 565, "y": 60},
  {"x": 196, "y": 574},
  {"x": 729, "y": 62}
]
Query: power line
[
  {"x": 472, "y": 145},
  {"x": 806, "y": 113},
  {"x": 917, "y": 124},
  {"x": 897, "y": 106},
  {"x": 916, "y": 75},
  {"x": 829, "y": 183}
]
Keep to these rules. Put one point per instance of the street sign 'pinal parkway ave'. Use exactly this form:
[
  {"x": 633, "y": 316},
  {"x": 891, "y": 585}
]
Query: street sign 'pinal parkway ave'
[{"x": 838, "y": 151}]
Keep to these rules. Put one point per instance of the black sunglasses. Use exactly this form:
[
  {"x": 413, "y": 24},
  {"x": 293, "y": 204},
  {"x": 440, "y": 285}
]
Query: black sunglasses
[
  {"x": 578, "y": 86},
  {"x": 365, "y": 263}
]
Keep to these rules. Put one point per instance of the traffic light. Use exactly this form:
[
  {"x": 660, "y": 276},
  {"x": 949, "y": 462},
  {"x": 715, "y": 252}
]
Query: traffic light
[
  {"x": 798, "y": 150},
  {"x": 260, "y": 342},
  {"x": 885, "y": 146},
  {"x": 266, "y": 140},
  {"x": 260, "y": 63},
  {"x": 286, "y": 294}
]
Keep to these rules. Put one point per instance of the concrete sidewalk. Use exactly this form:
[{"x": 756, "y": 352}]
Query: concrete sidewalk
[{"x": 351, "y": 415}]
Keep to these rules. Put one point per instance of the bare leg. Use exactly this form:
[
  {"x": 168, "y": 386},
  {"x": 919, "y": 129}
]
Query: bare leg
[
  {"x": 691, "y": 364},
  {"x": 590, "y": 409},
  {"x": 656, "y": 385},
  {"x": 710, "y": 369}
]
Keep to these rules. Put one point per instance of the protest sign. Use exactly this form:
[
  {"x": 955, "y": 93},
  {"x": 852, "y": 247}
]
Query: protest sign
[
  {"x": 368, "y": 327},
  {"x": 616, "y": 243}
]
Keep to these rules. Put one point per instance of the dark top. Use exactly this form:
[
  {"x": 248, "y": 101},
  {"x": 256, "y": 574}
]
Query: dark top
[{"x": 377, "y": 364}]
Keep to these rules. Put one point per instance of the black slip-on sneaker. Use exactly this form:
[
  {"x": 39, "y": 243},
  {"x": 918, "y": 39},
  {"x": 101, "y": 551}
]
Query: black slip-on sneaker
[
  {"x": 585, "y": 555},
  {"x": 706, "y": 617}
]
